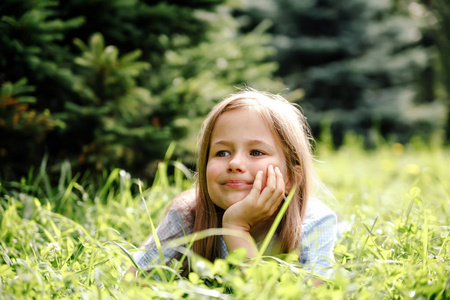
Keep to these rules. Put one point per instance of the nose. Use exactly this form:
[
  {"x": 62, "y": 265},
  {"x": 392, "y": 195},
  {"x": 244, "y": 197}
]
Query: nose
[{"x": 236, "y": 164}]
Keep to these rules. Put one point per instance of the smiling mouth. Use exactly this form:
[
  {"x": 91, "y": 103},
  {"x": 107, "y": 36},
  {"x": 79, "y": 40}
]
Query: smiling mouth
[{"x": 238, "y": 184}]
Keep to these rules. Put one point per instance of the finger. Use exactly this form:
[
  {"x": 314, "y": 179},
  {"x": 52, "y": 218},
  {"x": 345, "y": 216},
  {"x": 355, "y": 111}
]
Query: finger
[
  {"x": 279, "y": 185},
  {"x": 271, "y": 177},
  {"x": 274, "y": 188},
  {"x": 280, "y": 181},
  {"x": 270, "y": 184},
  {"x": 257, "y": 186},
  {"x": 277, "y": 194}
]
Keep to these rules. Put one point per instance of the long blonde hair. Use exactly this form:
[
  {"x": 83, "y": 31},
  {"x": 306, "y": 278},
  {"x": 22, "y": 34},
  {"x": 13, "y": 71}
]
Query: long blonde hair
[{"x": 289, "y": 125}]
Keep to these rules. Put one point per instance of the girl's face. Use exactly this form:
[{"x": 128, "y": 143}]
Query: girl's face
[{"x": 241, "y": 145}]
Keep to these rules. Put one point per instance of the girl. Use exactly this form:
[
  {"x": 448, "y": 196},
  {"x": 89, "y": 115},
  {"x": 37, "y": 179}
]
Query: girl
[{"x": 253, "y": 148}]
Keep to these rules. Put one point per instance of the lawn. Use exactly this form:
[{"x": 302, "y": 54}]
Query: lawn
[{"x": 73, "y": 238}]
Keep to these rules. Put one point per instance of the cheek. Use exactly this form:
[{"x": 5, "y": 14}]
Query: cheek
[
  {"x": 212, "y": 169},
  {"x": 264, "y": 181},
  {"x": 209, "y": 178}
]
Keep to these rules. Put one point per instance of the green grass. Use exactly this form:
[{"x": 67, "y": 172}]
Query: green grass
[{"x": 74, "y": 239}]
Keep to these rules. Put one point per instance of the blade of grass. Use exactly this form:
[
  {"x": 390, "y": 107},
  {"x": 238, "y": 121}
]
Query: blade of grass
[
  {"x": 130, "y": 257},
  {"x": 75, "y": 253},
  {"x": 113, "y": 176},
  {"x": 275, "y": 224},
  {"x": 62, "y": 203},
  {"x": 153, "y": 229},
  {"x": 161, "y": 178},
  {"x": 169, "y": 151},
  {"x": 443, "y": 245},
  {"x": 42, "y": 176},
  {"x": 183, "y": 257},
  {"x": 180, "y": 167},
  {"x": 65, "y": 175},
  {"x": 367, "y": 239},
  {"x": 38, "y": 277},
  {"x": 447, "y": 286},
  {"x": 93, "y": 264},
  {"x": 425, "y": 239}
]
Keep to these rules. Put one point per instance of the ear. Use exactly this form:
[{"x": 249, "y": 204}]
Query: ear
[{"x": 297, "y": 180}]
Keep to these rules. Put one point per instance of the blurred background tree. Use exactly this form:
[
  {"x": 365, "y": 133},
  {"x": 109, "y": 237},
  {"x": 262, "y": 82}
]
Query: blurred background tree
[
  {"x": 433, "y": 18},
  {"x": 111, "y": 83},
  {"x": 35, "y": 79},
  {"x": 361, "y": 65},
  {"x": 117, "y": 81}
]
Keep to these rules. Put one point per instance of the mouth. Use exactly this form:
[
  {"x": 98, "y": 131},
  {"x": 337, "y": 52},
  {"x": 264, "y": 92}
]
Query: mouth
[{"x": 238, "y": 184}]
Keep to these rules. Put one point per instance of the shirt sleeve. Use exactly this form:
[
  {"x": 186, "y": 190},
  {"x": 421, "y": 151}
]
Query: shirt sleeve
[
  {"x": 319, "y": 237},
  {"x": 178, "y": 222}
]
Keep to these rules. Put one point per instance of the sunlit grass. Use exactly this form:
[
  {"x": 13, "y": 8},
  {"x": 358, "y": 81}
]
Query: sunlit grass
[{"x": 75, "y": 238}]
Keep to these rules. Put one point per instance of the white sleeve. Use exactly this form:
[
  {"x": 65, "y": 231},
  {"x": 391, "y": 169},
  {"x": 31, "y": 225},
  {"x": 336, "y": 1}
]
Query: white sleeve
[
  {"x": 178, "y": 222},
  {"x": 319, "y": 237}
]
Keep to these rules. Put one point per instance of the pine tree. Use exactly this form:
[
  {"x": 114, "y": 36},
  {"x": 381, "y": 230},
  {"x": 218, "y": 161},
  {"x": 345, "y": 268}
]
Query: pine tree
[
  {"x": 20, "y": 127},
  {"x": 34, "y": 78},
  {"x": 434, "y": 17},
  {"x": 357, "y": 61},
  {"x": 119, "y": 80}
]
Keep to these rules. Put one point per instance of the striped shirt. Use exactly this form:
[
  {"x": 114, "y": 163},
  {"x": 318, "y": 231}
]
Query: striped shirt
[{"x": 316, "y": 246}]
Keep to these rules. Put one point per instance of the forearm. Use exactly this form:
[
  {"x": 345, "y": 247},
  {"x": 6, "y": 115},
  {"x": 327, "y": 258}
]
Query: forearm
[{"x": 244, "y": 240}]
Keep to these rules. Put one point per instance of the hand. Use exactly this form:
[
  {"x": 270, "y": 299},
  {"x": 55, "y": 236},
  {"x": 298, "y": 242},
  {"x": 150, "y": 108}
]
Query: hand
[{"x": 257, "y": 206}]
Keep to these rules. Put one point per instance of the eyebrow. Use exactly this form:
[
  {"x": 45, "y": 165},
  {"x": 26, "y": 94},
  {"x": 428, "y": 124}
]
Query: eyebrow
[{"x": 252, "y": 142}]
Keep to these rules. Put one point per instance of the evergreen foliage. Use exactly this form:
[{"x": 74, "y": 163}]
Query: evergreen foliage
[
  {"x": 358, "y": 63},
  {"x": 20, "y": 126},
  {"x": 117, "y": 80},
  {"x": 434, "y": 16}
]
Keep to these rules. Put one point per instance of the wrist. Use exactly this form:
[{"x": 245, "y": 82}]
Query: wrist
[
  {"x": 245, "y": 227},
  {"x": 241, "y": 240}
]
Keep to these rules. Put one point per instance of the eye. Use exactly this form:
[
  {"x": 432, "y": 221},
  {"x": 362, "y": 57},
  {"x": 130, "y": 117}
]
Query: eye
[
  {"x": 256, "y": 153},
  {"x": 222, "y": 153}
]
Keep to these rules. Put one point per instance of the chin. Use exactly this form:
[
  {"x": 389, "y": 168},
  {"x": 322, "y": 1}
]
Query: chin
[{"x": 234, "y": 201}]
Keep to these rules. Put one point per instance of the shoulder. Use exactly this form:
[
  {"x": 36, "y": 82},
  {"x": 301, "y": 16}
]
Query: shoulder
[
  {"x": 317, "y": 209},
  {"x": 184, "y": 205},
  {"x": 318, "y": 238},
  {"x": 318, "y": 214},
  {"x": 185, "y": 199}
]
